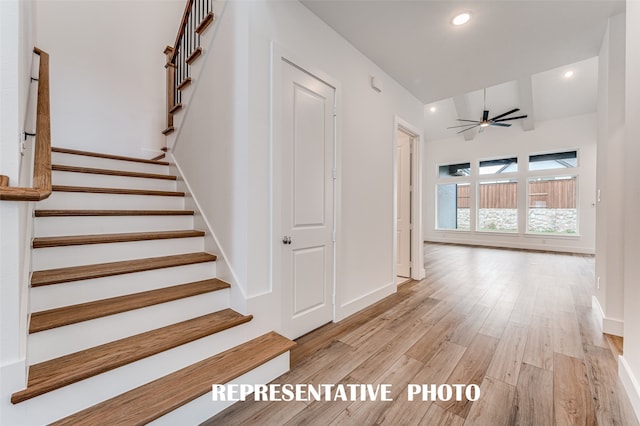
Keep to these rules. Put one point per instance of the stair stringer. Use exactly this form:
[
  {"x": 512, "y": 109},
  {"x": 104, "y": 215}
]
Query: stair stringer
[
  {"x": 261, "y": 306},
  {"x": 224, "y": 271}
]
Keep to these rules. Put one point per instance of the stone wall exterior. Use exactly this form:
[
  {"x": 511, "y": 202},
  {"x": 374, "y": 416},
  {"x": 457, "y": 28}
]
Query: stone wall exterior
[
  {"x": 464, "y": 220},
  {"x": 554, "y": 221},
  {"x": 498, "y": 220}
]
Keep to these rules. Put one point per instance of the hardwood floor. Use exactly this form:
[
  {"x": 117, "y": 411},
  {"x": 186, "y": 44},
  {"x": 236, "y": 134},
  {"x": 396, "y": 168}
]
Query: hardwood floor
[{"x": 518, "y": 324}]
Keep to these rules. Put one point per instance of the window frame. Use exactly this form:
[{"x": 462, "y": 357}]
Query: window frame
[
  {"x": 548, "y": 176},
  {"x": 498, "y": 178}
]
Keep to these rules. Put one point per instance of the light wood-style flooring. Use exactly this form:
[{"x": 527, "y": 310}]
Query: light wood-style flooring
[{"x": 519, "y": 324}]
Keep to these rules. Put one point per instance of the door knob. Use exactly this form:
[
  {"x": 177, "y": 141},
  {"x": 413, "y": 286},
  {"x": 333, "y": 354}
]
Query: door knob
[{"x": 286, "y": 240}]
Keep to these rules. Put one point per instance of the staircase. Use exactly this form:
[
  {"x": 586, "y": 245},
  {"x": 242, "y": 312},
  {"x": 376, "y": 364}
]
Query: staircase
[{"x": 129, "y": 323}]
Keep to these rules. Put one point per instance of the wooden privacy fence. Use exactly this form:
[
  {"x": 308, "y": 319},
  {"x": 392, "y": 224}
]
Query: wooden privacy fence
[{"x": 551, "y": 194}]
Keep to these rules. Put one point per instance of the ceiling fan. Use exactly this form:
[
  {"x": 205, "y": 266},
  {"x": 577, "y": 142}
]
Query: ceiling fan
[{"x": 498, "y": 120}]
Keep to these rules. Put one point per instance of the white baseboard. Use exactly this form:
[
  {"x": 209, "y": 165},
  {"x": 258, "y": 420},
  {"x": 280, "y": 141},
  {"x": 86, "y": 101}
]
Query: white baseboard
[
  {"x": 609, "y": 325},
  {"x": 509, "y": 241},
  {"x": 630, "y": 384},
  {"x": 349, "y": 308},
  {"x": 13, "y": 378}
]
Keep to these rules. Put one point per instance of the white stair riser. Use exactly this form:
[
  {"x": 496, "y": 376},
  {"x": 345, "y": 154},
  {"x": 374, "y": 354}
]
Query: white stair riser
[
  {"x": 84, "y": 200},
  {"x": 87, "y": 225},
  {"x": 88, "y": 254},
  {"x": 203, "y": 408},
  {"x": 110, "y": 181},
  {"x": 72, "y": 338},
  {"x": 106, "y": 163},
  {"x": 62, "y": 402},
  {"x": 73, "y": 293}
]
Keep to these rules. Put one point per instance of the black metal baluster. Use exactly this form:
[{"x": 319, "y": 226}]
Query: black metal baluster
[
  {"x": 198, "y": 13},
  {"x": 184, "y": 61}
]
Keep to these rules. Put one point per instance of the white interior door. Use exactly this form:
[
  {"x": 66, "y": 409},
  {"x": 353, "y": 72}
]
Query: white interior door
[
  {"x": 403, "y": 204},
  {"x": 307, "y": 197}
]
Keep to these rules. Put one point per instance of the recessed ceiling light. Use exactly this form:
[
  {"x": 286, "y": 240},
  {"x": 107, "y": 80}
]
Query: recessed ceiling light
[
  {"x": 461, "y": 19},
  {"x": 568, "y": 74},
  {"x": 432, "y": 109}
]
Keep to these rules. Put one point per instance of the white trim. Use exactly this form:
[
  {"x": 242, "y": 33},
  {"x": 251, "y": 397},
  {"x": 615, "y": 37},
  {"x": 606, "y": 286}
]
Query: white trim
[
  {"x": 13, "y": 377},
  {"x": 224, "y": 270},
  {"x": 613, "y": 326},
  {"x": 609, "y": 325},
  {"x": 359, "y": 303},
  {"x": 630, "y": 384},
  {"x": 279, "y": 55},
  {"x": 417, "y": 264},
  {"x": 453, "y": 236}
]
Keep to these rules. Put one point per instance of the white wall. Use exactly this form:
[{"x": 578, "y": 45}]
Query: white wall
[
  {"x": 630, "y": 363},
  {"x": 610, "y": 181},
  {"x": 107, "y": 72},
  {"x": 17, "y": 34},
  {"x": 225, "y": 146},
  {"x": 578, "y": 132}
]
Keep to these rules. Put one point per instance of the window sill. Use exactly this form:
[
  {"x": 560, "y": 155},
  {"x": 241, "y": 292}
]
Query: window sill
[
  {"x": 551, "y": 235},
  {"x": 496, "y": 232}
]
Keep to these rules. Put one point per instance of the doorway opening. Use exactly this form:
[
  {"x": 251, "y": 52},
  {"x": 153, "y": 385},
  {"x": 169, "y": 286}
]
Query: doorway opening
[{"x": 404, "y": 199}]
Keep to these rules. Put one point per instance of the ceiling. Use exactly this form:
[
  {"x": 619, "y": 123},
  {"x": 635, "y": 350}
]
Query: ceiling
[{"x": 517, "y": 49}]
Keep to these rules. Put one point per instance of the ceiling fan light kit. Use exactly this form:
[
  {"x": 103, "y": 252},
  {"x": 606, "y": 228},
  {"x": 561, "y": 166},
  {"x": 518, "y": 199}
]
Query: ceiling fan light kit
[{"x": 497, "y": 121}]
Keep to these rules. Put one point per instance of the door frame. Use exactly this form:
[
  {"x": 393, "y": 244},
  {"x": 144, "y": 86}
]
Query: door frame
[
  {"x": 417, "y": 250},
  {"x": 279, "y": 56}
]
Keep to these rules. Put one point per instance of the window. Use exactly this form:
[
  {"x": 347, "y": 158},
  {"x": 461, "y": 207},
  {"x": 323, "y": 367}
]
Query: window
[
  {"x": 453, "y": 206},
  {"x": 552, "y": 205},
  {"x": 452, "y": 170},
  {"x": 558, "y": 160},
  {"x": 504, "y": 165},
  {"x": 498, "y": 206}
]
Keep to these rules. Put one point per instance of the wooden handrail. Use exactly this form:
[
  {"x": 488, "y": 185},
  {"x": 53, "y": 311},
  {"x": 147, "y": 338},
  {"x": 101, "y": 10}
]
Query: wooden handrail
[
  {"x": 42, "y": 163},
  {"x": 183, "y": 24}
]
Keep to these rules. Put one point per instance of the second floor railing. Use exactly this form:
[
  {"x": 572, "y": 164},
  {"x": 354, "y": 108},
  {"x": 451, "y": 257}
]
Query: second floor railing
[{"x": 197, "y": 16}]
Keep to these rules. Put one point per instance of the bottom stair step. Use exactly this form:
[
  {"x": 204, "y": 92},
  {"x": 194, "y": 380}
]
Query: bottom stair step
[
  {"x": 56, "y": 373},
  {"x": 155, "y": 399}
]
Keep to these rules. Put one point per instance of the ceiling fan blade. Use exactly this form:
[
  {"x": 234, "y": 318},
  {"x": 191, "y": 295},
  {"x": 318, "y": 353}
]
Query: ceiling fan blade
[
  {"x": 506, "y": 113},
  {"x": 462, "y": 125},
  {"x": 485, "y": 115},
  {"x": 501, "y": 124},
  {"x": 510, "y": 118},
  {"x": 471, "y": 121},
  {"x": 472, "y": 127}
]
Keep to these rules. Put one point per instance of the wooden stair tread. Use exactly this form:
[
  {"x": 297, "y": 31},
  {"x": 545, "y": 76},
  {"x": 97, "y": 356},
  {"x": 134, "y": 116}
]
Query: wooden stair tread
[
  {"x": 96, "y": 190},
  {"x": 56, "y": 373},
  {"x": 74, "y": 240},
  {"x": 76, "y": 169},
  {"x": 168, "y": 130},
  {"x": 152, "y": 400},
  {"x": 76, "y": 273},
  {"x": 184, "y": 83},
  {"x": 109, "y": 156},
  {"x": 64, "y": 213},
  {"x": 194, "y": 55},
  {"x": 175, "y": 108},
  {"x": 204, "y": 24},
  {"x": 52, "y": 318}
]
